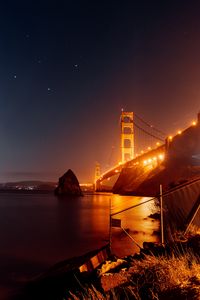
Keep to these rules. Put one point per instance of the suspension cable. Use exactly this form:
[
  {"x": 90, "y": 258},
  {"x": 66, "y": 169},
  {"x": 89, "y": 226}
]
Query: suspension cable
[
  {"x": 149, "y": 125},
  {"x": 150, "y": 134}
]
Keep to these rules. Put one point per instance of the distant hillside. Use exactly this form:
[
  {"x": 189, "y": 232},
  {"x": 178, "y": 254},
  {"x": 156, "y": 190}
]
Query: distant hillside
[{"x": 28, "y": 185}]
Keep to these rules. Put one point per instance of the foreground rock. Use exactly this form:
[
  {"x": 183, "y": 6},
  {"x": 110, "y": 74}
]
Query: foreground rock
[{"x": 68, "y": 185}]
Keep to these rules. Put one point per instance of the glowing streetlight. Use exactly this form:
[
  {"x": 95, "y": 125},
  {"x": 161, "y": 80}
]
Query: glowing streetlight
[{"x": 161, "y": 156}]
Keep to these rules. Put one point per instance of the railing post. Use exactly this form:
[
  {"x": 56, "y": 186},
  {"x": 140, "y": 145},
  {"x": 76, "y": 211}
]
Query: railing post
[
  {"x": 161, "y": 215},
  {"x": 110, "y": 229}
]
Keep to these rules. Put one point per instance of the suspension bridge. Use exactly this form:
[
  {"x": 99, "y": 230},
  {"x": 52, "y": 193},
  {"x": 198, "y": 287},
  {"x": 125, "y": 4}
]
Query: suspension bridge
[{"x": 142, "y": 146}]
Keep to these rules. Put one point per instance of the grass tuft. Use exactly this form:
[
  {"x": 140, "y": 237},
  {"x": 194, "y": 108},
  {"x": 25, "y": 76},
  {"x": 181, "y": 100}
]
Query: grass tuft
[{"x": 176, "y": 277}]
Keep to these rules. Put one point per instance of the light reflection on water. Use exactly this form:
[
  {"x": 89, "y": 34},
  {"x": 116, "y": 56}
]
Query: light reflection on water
[
  {"x": 135, "y": 221},
  {"x": 38, "y": 230}
]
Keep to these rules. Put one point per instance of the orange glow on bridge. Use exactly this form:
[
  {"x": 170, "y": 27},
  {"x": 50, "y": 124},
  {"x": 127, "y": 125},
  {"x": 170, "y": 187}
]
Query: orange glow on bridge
[{"x": 149, "y": 158}]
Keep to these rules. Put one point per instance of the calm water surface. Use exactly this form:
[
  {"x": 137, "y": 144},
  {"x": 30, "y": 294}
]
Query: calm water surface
[{"x": 39, "y": 230}]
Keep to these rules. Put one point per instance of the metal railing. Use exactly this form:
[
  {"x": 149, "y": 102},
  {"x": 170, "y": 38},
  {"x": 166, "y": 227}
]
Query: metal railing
[{"x": 179, "y": 208}]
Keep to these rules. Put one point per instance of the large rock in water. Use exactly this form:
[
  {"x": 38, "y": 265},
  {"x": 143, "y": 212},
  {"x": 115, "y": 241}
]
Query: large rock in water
[{"x": 68, "y": 185}]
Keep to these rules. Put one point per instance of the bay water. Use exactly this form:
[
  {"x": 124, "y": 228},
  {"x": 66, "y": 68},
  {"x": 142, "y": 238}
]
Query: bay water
[{"x": 39, "y": 230}]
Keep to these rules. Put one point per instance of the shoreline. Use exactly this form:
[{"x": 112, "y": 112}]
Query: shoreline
[{"x": 114, "y": 274}]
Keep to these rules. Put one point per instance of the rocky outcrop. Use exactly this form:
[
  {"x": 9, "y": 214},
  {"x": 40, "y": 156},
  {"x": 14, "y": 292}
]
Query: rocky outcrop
[{"x": 68, "y": 185}]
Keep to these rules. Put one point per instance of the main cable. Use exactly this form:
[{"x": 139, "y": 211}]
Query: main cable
[
  {"x": 150, "y": 134},
  {"x": 149, "y": 125}
]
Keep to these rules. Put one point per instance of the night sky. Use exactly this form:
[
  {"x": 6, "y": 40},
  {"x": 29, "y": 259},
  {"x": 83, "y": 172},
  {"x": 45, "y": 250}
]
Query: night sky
[{"x": 68, "y": 67}]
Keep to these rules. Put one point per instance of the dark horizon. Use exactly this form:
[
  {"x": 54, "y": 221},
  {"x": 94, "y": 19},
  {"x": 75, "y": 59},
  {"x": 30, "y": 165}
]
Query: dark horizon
[{"x": 68, "y": 67}]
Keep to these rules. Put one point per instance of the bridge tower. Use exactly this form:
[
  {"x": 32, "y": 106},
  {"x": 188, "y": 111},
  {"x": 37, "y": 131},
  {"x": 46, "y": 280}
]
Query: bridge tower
[
  {"x": 97, "y": 174},
  {"x": 127, "y": 136}
]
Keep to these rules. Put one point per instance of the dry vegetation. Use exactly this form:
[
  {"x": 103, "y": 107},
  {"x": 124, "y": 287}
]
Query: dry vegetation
[{"x": 176, "y": 277}]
